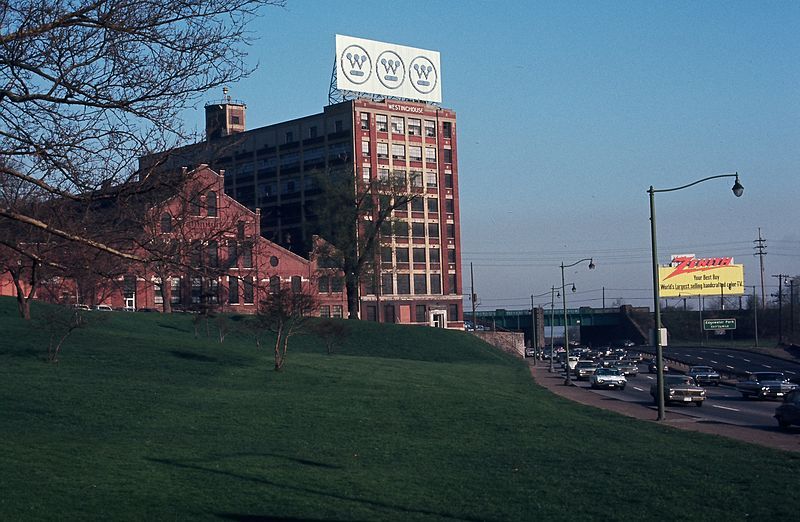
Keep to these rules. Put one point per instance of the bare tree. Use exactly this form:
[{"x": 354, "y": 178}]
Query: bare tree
[
  {"x": 354, "y": 213},
  {"x": 331, "y": 331},
  {"x": 88, "y": 86},
  {"x": 285, "y": 312}
]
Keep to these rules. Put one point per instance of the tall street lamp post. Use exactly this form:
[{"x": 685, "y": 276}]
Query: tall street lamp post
[
  {"x": 737, "y": 189},
  {"x": 567, "y": 380}
]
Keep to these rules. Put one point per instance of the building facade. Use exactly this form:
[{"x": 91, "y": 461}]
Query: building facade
[{"x": 275, "y": 169}]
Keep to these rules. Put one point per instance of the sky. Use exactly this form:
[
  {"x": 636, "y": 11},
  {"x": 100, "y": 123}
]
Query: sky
[{"x": 567, "y": 112}]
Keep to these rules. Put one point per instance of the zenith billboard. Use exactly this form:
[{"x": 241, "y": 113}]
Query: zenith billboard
[
  {"x": 386, "y": 69},
  {"x": 687, "y": 275}
]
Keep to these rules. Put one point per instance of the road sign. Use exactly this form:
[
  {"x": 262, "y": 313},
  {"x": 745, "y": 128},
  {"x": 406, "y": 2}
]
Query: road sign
[{"x": 719, "y": 324}]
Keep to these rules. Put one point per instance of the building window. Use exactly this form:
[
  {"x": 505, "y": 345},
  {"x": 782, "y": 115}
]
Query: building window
[
  {"x": 274, "y": 284},
  {"x": 233, "y": 290},
  {"x": 297, "y": 284},
  {"x": 195, "y": 253},
  {"x": 415, "y": 153},
  {"x": 398, "y": 125},
  {"x": 388, "y": 313},
  {"x": 197, "y": 290},
  {"x": 240, "y": 230},
  {"x": 337, "y": 126},
  {"x": 451, "y": 255},
  {"x": 449, "y": 206},
  {"x": 386, "y": 255},
  {"x": 247, "y": 294},
  {"x": 211, "y": 203},
  {"x": 430, "y": 154},
  {"x": 337, "y": 311},
  {"x": 433, "y": 205},
  {"x": 382, "y": 150},
  {"x": 418, "y": 205},
  {"x": 420, "y": 284},
  {"x": 447, "y": 129},
  {"x": 366, "y": 174},
  {"x": 233, "y": 254},
  {"x": 430, "y": 179},
  {"x": 158, "y": 292},
  {"x": 401, "y": 228},
  {"x": 194, "y": 204},
  {"x": 364, "y": 121},
  {"x": 430, "y": 128},
  {"x": 312, "y": 131},
  {"x": 398, "y": 151},
  {"x": 212, "y": 254},
  {"x": 416, "y": 179},
  {"x": 323, "y": 284},
  {"x": 452, "y": 312},
  {"x": 175, "y": 298},
  {"x": 451, "y": 284},
  {"x": 448, "y": 156},
  {"x": 337, "y": 283},
  {"x": 289, "y": 137},
  {"x": 166, "y": 222},
  {"x": 451, "y": 230},
  {"x": 403, "y": 284},
  {"x": 418, "y": 230},
  {"x": 247, "y": 255},
  {"x": 365, "y": 149},
  {"x": 420, "y": 314},
  {"x": 433, "y": 229},
  {"x": 436, "y": 284},
  {"x": 381, "y": 123},
  {"x": 387, "y": 284},
  {"x": 419, "y": 255},
  {"x": 402, "y": 254},
  {"x": 448, "y": 180},
  {"x": 324, "y": 311},
  {"x": 414, "y": 127},
  {"x": 213, "y": 291},
  {"x": 383, "y": 174},
  {"x": 372, "y": 313},
  {"x": 433, "y": 253}
]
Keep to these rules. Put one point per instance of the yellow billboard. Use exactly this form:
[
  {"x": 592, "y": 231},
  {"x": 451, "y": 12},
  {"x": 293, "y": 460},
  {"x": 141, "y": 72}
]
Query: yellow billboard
[{"x": 688, "y": 275}]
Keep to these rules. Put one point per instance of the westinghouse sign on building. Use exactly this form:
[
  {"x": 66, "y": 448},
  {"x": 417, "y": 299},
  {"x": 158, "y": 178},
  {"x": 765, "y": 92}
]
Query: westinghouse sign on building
[
  {"x": 386, "y": 69},
  {"x": 687, "y": 275}
]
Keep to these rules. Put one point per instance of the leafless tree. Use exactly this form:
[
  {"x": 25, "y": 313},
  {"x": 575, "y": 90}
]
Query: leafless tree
[
  {"x": 285, "y": 312},
  {"x": 88, "y": 86},
  {"x": 331, "y": 331},
  {"x": 354, "y": 213}
]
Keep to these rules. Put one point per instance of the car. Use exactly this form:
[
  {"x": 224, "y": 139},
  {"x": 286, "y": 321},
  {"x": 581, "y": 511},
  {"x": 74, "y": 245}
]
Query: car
[
  {"x": 788, "y": 413},
  {"x": 679, "y": 388},
  {"x": 103, "y": 308},
  {"x": 765, "y": 385},
  {"x": 704, "y": 375},
  {"x": 608, "y": 378},
  {"x": 627, "y": 367},
  {"x": 572, "y": 361},
  {"x": 585, "y": 369},
  {"x": 530, "y": 351},
  {"x": 81, "y": 307},
  {"x": 651, "y": 366}
]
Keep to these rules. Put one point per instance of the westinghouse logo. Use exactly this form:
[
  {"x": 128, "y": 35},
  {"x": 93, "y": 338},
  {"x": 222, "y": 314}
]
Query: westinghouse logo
[
  {"x": 423, "y": 75},
  {"x": 356, "y": 64},
  {"x": 391, "y": 70}
]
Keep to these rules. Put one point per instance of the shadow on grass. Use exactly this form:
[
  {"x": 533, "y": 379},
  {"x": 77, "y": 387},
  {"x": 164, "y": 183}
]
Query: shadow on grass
[
  {"x": 189, "y": 356},
  {"x": 312, "y": 491},
  {"x": 172, "y": 327},
  {"x": 266, "y": 518}
]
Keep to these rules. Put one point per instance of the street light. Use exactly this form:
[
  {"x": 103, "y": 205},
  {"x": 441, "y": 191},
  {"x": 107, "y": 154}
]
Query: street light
[
  {"x": 737, "y": 189},
  {"x": 567, "y": 381}
]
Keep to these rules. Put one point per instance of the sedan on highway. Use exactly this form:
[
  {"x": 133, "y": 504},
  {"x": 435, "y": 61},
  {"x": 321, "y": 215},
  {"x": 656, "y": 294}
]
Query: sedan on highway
[
  {"x": 608, "y": 378},
  {"x": 585, "y": 369},
  {"x": 764, "y": 385},
  {"x": 679, "y": 388},
  {"x": 788, "y": 413},
  {"x": 704, "y": 375}
]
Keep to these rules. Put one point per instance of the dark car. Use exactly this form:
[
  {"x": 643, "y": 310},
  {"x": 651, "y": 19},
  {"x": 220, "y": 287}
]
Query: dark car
[
  {"x": 627, "y": 367},
  {"x": 651, "y": 366},
  {"x": 788, "y": 413},
  {"x": 704, "y": 375},
  {"x": 764, "y": 385},
  {"x": 680, "y": 389}
]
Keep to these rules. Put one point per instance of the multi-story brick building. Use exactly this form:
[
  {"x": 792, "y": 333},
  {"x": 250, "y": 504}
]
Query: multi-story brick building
[{"x": 274, "y": 169}]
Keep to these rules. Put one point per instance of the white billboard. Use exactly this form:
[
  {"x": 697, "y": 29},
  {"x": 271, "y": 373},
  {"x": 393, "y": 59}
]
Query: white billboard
[{"x": 386, "y": 69}]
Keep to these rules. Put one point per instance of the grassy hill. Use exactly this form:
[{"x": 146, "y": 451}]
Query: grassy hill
[{"x": 140, "y": 420}]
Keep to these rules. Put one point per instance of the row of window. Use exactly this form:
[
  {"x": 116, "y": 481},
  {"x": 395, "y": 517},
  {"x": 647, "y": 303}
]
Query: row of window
[
  {"x": 420, "y": 313},
  {"x": 418, "y": 255},
  {"x": 208, "y": 290},
  {"x": 207, "y": 254},
  {"x": 331, "y": 311},
  {"x": 397, "y": 124},
  {"x": 417, "y": 230},
  {"x": 423, "y": 284},
  {"x": 399, "y": 152}
]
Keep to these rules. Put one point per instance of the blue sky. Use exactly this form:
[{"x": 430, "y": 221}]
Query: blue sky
[{"x": 567, "y": 113}]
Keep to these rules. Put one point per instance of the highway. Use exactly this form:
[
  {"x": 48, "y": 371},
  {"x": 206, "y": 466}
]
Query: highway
[{"x": 723, "y": 403}]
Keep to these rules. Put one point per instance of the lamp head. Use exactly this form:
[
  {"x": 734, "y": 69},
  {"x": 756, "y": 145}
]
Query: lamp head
[
  {"x": 591, "y": 264},
  {"x": 573, "y": 288},
  {"x": 737, "y": 188}
]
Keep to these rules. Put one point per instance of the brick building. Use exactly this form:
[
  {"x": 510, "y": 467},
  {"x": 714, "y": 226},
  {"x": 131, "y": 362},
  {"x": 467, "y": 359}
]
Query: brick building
[{"x": 272, "y": 170}]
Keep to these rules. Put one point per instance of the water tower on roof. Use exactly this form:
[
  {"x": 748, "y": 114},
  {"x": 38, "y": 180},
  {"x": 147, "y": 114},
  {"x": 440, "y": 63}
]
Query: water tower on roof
[{"x": 224, "y": 117}]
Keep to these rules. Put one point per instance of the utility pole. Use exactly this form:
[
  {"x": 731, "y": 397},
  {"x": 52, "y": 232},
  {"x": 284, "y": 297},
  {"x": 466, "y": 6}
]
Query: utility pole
[
  {"x": 604, "y": 297},
  {"x": 534, "y": 343},
  {"x": 761, "y": 251},
  {"x": 474, "y": 296},
  {"x": 780, "y": 305}
]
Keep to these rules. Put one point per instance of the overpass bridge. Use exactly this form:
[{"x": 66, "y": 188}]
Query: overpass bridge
[{"x": 596, "y": 325}]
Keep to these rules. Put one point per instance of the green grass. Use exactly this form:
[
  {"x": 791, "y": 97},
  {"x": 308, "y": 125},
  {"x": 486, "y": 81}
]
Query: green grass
[{"x": 141, "y": 421}]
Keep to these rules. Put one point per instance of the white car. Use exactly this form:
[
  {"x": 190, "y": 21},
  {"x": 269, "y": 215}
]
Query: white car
[
  {"x": 103, "y": 308},
  {"x": 608, "y": 378}
]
